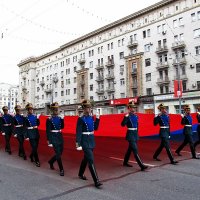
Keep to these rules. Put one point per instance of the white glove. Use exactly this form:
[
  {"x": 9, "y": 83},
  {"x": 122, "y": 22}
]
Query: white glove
[
  {"x": 50, "y": 145},
  {"x": 79, "y": 148},
  {"x": 169, "y": 136},
  {"x": 27, "y": 139},
  {"x": 97, "y": 115},
  {"x": 182, "y": 115},
  {"x": 3, "y": 133},
  {"x": 127, "y": 115},
  {"x": 15, "y": 135},
  {"x": 198, "y": 113}
]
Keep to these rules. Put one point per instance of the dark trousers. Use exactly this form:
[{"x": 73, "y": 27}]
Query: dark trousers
[
  {"x": 58, "y": 148},
  {"x": 132, "y": 147},
  {"x": 20, "y": 139},
  {"x": 164, "y": 144},
  {"x": 188, "y": 139},
  {"x": 34, "y": 145},
  {"x": 7, "y": 139}
]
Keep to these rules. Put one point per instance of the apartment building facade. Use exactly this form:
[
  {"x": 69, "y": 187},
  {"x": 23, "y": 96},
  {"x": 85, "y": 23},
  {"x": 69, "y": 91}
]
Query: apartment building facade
[
  {"x": 8, "y": 96},
  {"x": 135, "y": 58}
]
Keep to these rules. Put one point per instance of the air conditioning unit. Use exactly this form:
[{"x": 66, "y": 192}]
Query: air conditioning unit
[
  {"x": 194, "y": 85},
  {"x": 191, "y": 66}
]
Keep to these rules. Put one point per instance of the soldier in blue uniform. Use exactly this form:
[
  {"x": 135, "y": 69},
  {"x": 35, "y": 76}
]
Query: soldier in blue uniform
[
  {"x": 131, "y": 121},
  {"x": 198, "y": 127},
  {"x": 163, "y": 120},
  {"x": 86, "y": 125},
  {"x": 187, "y": 131},
  {"x": 6, "y": 124},
  {"x": 54, "y": 124},
  {"x": 32, "y": 133},
  {"x": 18, "y": 121}
]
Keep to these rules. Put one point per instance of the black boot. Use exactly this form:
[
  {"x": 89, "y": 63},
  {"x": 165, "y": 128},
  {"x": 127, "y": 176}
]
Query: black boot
[
  {"x": 31, "y": 157},
  {"x": 194, "y": 156},
  {"x": 82, "y": 170},
  {"x": 60, "y": 167},
  {"x": 169, "y": 153},
  {"x": 93, "y": 172},
  {"x": 51, "y": 162},
  {"x": 142, "y": 166}
]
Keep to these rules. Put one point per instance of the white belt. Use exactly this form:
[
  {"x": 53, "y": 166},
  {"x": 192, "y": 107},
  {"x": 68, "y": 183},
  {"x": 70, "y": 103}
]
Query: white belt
[
  {"x": 87, "y": 133},
  {"x": 164, "y": 127},
  {"x": 55, "y": 131},
  {"x": 32, "y": 127},
  {"x": 18, "y": 125},
  {"x": 6, "y": 124},
  {"x": 188, "y": 125},
  {"x": 132, "y": 129}
]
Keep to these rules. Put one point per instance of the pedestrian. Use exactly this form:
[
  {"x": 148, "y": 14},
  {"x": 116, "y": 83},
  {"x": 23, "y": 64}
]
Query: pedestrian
[
  {"x": 32, "y": 133},
  {"x": 131, "y": 121},
  {"x": 187, "y": 132},
  {"x": 54, "y": 124},
  {"x": 198, "y": 127},
  {"x": 19, "y": 131},
  {"x": 86, "y": 125}
]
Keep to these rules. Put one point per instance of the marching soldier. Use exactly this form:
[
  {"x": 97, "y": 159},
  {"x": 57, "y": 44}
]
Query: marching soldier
[
  {"x": 6, "y": 124},
  {"x": 187, "y": 131},
  {"x": 131, "y": 121},
  {"x": 163, "y": 120},
  {"x": 54, "y": 136},
  {"x": 198, "y": 127},
  {"x": 32, "y": 133},
  {"x": 85, "y": 141},
  {"x": 18, "y": 121}
]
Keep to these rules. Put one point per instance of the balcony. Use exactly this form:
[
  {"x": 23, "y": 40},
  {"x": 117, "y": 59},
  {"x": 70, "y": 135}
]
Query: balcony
[
  {"x": 110, "y": 89},
  {"x": 99, "y": 67},
  {"x": 100, "y": 91},
  {"x": 161, "y": 49},
  {"x": 110, "y": 76},
  {"x": 134, "y": 86},
  {"x": 48, "y": 91},
  {"x": 42, "y": 83},
  {"x": 24, "y": 89},
  {"x": 162, "y": 65},
  {"x": 110, "y": 63},
  {"x": 55, "y": 79},
  {"x": 81, "y": 61},
  {"x": 178, "y": 45},
  {"x": 132, "y": 44},
  {"x": 181, "y": 61},
  {"x": 100, "y": 78},
  {"x": 182, "y": 77},
  {"x": 134, "y": 72},
  {"x": 162, "y": 81}
]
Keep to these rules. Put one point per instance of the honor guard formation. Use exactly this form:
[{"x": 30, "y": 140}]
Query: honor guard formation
[{"x": 26, "y": 128}]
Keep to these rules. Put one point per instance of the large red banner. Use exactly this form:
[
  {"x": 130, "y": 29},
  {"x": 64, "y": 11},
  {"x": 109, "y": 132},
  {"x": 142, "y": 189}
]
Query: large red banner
[
  {"x": 110, "y": 125},
  {"x": 178, "y": 88}
]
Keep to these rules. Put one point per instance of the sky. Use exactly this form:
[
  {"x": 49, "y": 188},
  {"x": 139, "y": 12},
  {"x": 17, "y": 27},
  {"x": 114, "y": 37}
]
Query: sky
[{"x": 34, "y": 27}]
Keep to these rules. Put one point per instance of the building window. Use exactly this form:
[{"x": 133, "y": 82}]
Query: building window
[
  {"x": 198, "y": 85},
  {"x": 144, "y": 34},
  {"x": 111, "y": 45},
  {"x": 62, "y": 93},
  {"x": 184, "y": 83},
  {"x": 148, "y": 33},
  {"x": 159, "y": 28},
  {"x": 166, "y": 89},
  {"x": 175, "y": 23},
  {"x": 198, "y": 15},
  {"x": 122, "y": 95},
  {"x": 149, "y": 91},
  {"x": 121, "y": 55},
  {"x": 91, "y": 87},
  {"x": 91, "y": 75},
  {"x": 119, "y": 43},
  {"x": 147, "y": 62},
  {"x": 38, "y": 89},
  {"x": 75, "y": 69},
  {"x": 161, "y": 90},
  {"x": 74, "y": 79},
  {"x": 56, "y": 94},
  {"x": 122, "y": 82},
  {"x": 196, "y": 33},
  {"x": 197, "y": 50},
  {"x": 183, "y": 70},
  {"x": 181, "y": 23},
  {"x": 198, "y": 68},
  {"x": 121, "y": 68},
  {"x": 91, "y": 64},
  {"x": 147, "y": 47},
  {"x": 193, "y": 17},
  {"x": 148, "y": 77},
  {"x": 74, "y": 90}
]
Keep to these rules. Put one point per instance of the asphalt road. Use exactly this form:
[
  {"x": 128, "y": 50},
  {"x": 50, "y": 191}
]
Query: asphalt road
[{"x": 22, "y": 180}]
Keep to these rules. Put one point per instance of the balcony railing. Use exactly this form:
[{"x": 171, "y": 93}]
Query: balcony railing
[
  {"x": 162, "y": 65},
  {"x": 132, "y": 43},
  {"x": 110, "y": 63},
  {"x": 164, "y": 80},
  {"x": 134, "y": 71},
  {"x": 161, "y": 49},
  {"x": 179, "y": 61},
  {"x": 81, "y": 61},
  {"x": 182, "y": 77},
  {"x": 110, "y": 76},
  {"x": 48, "y": 90},
  {"x": 110, "y": 89},
  {"x": 134, "y": 86},
  {"x": 42, "y": 83},
  {"x": 100, "y": 78},
  {"x": 178, "y": 45},
  {"x": 100, "y": 66},
  {"x": 100, "y": 91}
]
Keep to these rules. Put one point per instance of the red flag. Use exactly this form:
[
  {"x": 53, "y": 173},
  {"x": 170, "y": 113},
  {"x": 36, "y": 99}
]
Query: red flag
[{"x": 178, "y": 88}]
